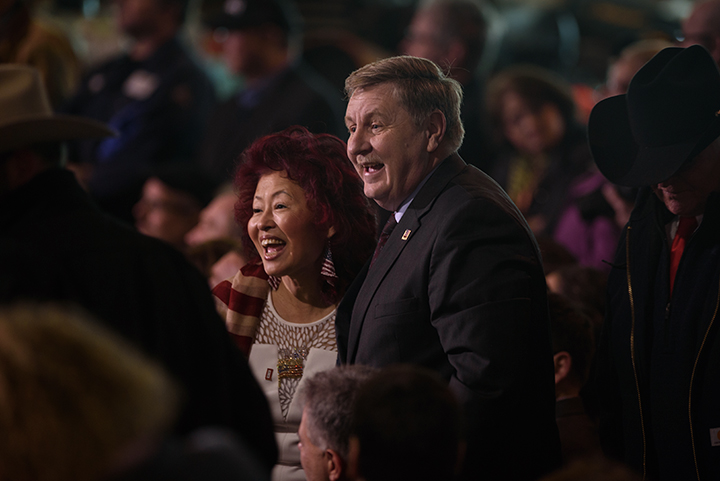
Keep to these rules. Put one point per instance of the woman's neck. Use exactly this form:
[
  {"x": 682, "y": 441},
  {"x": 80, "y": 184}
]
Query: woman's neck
[{"x": 300, "y": 304}]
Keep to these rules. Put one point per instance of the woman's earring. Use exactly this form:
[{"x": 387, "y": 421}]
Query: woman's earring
[{"x": 328, "y": 267}]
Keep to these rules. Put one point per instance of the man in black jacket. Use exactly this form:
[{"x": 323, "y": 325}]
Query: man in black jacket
[
  {"x": 56, "y": 246},
  {"x": 658, "y": 361}
]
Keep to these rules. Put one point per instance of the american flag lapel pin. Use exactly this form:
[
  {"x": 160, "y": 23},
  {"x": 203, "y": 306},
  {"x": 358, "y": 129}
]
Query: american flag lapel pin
[{"x": 406, "y": 234}]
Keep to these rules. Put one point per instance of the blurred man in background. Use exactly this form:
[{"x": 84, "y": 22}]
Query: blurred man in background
[
  {"x": 702, "y": 27},
  {"x": 154, "y": 95},
  {"x": 262, "y": 46},
  {"x": 452, "y": 33}
]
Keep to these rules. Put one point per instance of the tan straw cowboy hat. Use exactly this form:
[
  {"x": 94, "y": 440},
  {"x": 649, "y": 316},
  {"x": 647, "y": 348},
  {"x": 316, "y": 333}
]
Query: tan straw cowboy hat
[{"x": 27, "y": 118}]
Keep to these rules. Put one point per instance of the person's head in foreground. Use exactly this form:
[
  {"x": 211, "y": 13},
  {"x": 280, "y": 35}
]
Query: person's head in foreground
[
  {"x": 76, "y": 402},
  {"x": 302, "y": 210},
  {"x": 403, "y": 116},
  {"x": 664, "y": 132},
  {"x": 406, "y": 425},
  {"x": 324, "y": 432}
]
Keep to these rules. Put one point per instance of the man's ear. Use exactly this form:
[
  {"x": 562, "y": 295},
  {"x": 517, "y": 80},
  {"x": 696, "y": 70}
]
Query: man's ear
[
  {"x": 336, "y": 465},
  {"x": 436, "y": 126},
  {"x": 563, "y": 365}
]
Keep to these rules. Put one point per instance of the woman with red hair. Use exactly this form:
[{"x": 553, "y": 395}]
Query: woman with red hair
[{"x": 308, "y": 229}]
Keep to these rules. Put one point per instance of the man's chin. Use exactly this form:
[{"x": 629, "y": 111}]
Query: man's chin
[
  {"x": 684, "y": 207},
  {"x": 381, "y": 198},
  {"x": 383, "y": 203}
]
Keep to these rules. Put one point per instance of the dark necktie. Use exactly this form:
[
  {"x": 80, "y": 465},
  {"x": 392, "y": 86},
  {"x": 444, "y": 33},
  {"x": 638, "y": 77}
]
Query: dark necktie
[
  {"x": 389, "y": 226},
  {"x": 686, "y": 227}
]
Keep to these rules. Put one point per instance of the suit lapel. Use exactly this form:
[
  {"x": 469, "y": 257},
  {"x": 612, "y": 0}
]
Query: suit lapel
[{"x": 407, "y": 228}]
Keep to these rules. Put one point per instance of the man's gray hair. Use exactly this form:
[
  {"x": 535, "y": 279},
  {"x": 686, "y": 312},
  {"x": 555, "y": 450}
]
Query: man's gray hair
[
  {"x": 420, "y": 86},
  {"x": 329, "y": 398}
]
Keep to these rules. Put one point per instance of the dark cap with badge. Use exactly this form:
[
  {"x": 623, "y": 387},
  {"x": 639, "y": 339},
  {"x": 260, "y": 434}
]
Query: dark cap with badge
[
  {"x": 670, "y": 113},
  {"x": 242, "y": 14}
]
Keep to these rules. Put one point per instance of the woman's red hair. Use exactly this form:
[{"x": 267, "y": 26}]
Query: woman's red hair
[{"x": 319, "y": 164}]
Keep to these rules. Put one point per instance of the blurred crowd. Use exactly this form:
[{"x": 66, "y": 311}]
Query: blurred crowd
[
  {"x": 212, "y": 125},
  {"x": 189, "y": 85}
]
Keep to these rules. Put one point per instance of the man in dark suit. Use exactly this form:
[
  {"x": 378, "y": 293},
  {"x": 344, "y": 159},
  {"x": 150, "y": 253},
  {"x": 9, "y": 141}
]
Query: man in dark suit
[
  {"x": 458, "y": 286},
  {"x": 56, "y": 246}
]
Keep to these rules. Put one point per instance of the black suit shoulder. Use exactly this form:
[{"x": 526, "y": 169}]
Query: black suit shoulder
[{"x": 467, "y": 190}]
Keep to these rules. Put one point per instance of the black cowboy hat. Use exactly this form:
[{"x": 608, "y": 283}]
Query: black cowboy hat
[{"x": 670, "y": 114}]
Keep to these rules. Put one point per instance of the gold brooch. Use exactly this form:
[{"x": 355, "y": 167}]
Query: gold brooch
[{"x": 291, "y": 363}]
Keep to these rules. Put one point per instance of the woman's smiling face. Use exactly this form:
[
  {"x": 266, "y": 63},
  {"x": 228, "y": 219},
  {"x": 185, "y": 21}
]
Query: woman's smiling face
[{"x": 283, "y": 230}]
